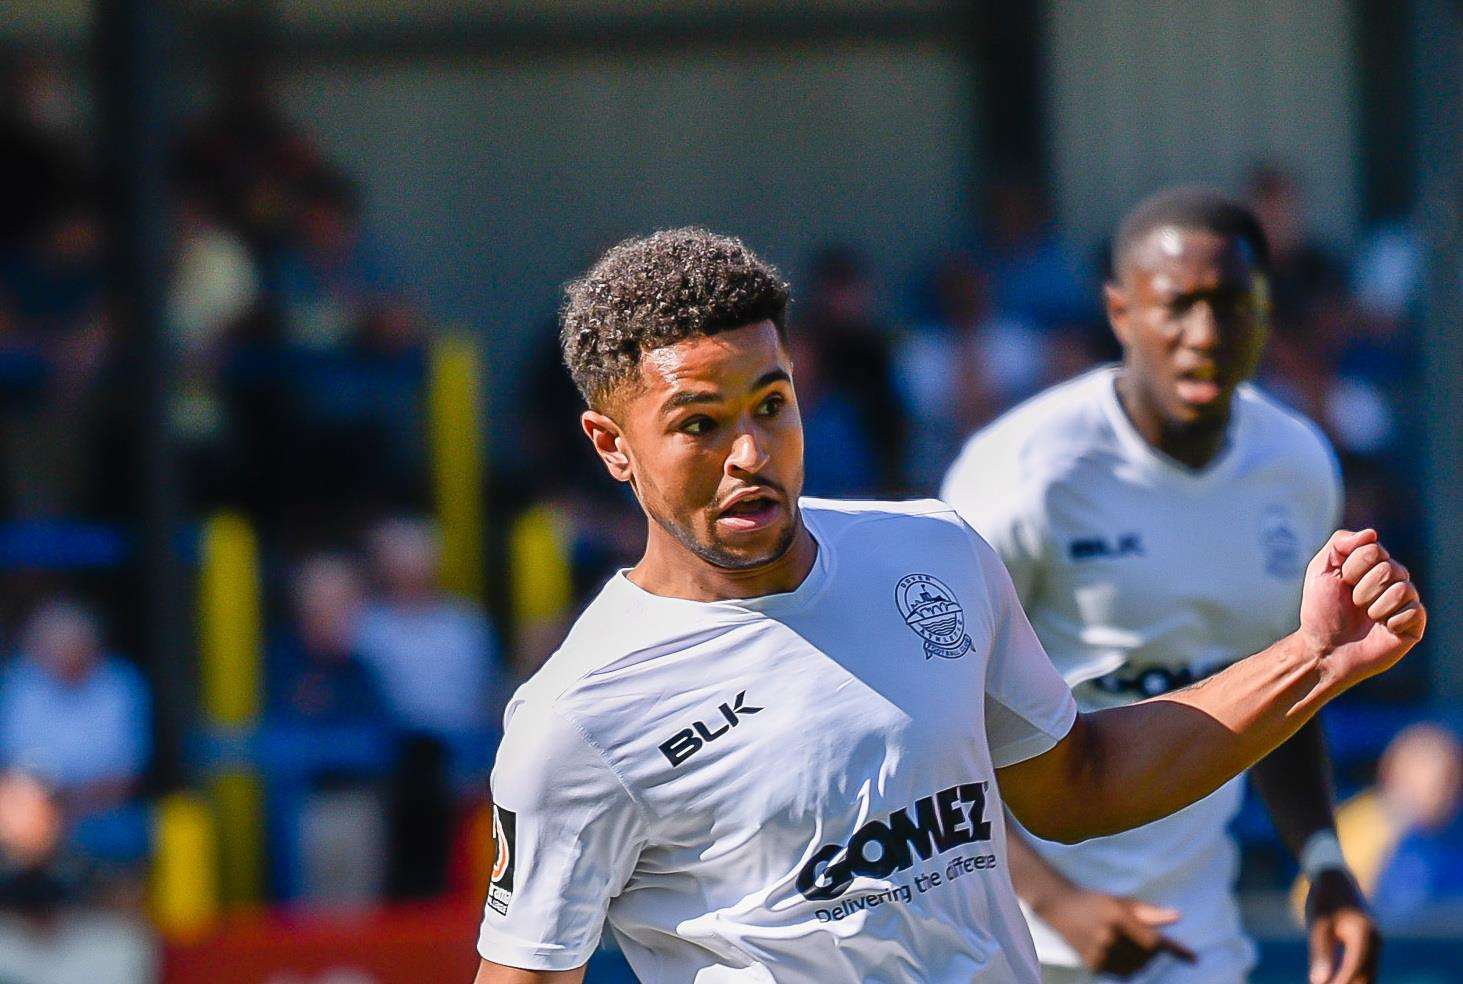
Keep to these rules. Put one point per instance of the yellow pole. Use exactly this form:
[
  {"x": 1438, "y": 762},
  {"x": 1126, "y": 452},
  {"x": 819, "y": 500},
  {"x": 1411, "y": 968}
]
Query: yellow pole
[
  {"x": 230, "y": 650},
  {"x": 456, "y": 444},
  {"x": 538, "y": 556},
  {"x": 229, "y": 616},
  {"x": 184, "y": 867}
]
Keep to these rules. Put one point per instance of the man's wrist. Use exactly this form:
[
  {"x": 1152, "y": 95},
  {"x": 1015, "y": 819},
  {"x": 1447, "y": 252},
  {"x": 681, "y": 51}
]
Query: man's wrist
[
  {"x": 1047, "y": 892},
  {"x": 1322, "y": 853},
  {"x": 1305, "y": 655}
]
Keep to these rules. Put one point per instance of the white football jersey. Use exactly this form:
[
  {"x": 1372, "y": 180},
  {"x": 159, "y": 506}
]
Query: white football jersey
[
  {"x": 1141, "y": 575},
  {"x": 798, "y": 787}
]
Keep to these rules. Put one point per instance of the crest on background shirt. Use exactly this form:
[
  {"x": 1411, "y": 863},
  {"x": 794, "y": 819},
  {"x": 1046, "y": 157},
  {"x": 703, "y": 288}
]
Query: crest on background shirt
[
  {"x": 1280, "y": 543},
  {"x": 930, "y": 609},
  {"x": 505, "y": 847}
]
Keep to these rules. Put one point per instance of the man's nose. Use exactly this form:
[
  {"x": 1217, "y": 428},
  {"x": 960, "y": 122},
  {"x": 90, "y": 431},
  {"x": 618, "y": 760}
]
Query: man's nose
[
  {"x": 1201, "y": 327},
  {"x": 747, "y": 455}
]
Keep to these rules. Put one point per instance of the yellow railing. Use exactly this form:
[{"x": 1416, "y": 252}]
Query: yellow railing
[
  {"x": 231, "y": 643},
  {"x": 456, "y": 443}
]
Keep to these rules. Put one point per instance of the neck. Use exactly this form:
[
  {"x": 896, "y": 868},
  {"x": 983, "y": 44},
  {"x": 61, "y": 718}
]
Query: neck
[
  {"x": 1195, "y": 445},
  {"x": 670, "y": 570}
]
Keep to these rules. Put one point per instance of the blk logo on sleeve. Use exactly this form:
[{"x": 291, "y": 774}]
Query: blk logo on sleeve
[{"x": 688, "y": 741}]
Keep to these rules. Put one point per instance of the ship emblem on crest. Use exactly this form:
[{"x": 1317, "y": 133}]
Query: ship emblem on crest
[{"x": 930, "y": 609}]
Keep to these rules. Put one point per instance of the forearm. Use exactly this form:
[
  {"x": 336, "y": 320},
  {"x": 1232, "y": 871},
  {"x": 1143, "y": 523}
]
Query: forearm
[
  {"x": 1131, "y": 765},
  {"x": 1036, "y": 881},
  {"x": 1295, "y": 783},
  {"x": 1156, "y": 757}
]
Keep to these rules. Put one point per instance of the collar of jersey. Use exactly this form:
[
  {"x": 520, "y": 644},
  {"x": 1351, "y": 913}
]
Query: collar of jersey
[
  {"x": 1154, "y": 461},
  {"x": 782, "y": 603}
]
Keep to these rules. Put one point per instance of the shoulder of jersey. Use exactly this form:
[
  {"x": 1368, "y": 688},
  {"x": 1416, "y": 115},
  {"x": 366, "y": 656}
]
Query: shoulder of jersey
[
  {"x": 1050, "y": 434},
  {"x": 868, "y": 528},
  {"x": 1286, "y": 434},
  {"x": 611, "y": 628},
  {"x": 831, "y": 519}
]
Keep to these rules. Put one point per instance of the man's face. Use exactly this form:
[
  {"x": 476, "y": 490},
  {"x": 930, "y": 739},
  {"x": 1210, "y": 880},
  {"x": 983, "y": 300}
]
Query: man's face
[
  {"x": 711, "y": 441},
  {"x": 66, "y": 645},
  {"x": 1192, "y": 312}
]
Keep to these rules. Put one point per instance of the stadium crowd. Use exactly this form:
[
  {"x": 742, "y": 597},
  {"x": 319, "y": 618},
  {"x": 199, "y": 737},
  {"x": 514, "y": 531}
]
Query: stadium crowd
[{"x": 302, "y": 366}]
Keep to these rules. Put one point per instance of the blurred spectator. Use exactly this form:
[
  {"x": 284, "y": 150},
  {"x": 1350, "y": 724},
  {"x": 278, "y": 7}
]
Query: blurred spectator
[
  {"x": 215, "y": 288},
  {"x": 38, "y": 165},
  {"x": 437, "y": 664},
  {"x": 845, "y": 342},
  {"x": 327, "y": 277},
  {"x": 1301, "y": 269},
  {"x": 215, "y": 285},
  {"x": 245, "y": 156},
  {"x": 433, "y": 654},
  {"x": 1421, "y": 785},
  {"x": 1388, "y": 271},
  {"x": 1403, "y": 839},
  {"x": 331, "y": 438},
  {"x": 316, "y": 674},
  {"x": 838, "y": 455},
  {"x": 326, "y": 719},
  {"x": 76, "y": 717},
  {"x": 961, "y": 368},
  {"x": 51, "y": 286},
  {"x": 38, "y": 874},
  {"x": 552, "y": 457},
  {"x": 1036, "y": 276}
]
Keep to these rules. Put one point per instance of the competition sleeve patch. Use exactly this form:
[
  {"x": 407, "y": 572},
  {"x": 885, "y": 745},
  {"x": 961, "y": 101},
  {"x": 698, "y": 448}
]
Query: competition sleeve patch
[{"x": 505, "y": 849}]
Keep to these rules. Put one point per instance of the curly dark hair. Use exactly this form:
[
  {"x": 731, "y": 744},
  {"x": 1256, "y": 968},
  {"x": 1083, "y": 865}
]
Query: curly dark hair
[{"x": 658, "y": 290}]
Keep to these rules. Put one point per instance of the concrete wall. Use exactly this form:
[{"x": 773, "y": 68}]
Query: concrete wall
[
  {"x": 1145, "y": 92},
  {"x": 496, "y": 180}
]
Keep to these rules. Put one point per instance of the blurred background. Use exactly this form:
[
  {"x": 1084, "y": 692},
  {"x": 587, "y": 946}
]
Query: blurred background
[{"x": 291, "y": 489}]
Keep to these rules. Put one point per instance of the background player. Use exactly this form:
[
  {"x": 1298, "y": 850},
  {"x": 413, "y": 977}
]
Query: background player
[
  {"x": 777, "y": 748},
  {"x": 1154, "y": 518}
]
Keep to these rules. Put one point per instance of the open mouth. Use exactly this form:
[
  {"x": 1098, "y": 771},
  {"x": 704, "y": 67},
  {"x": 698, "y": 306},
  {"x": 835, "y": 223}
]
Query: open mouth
[
  {"x": 1200, "y": 386},
  {"x": 752, "y": 513}
]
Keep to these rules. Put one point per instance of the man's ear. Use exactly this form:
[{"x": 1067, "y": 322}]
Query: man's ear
[
  {"x": 1116, "y": 301},
  {"x": 608, "y": 443}
]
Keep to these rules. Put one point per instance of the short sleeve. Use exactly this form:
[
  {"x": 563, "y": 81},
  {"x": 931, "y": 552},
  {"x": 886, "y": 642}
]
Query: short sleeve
[
  {"x": 1001, "y": 512},
  {"x": 1028, "y": 706},
  {"x": 567, "y": 835},
  {"x": 1335, "y": 495}
]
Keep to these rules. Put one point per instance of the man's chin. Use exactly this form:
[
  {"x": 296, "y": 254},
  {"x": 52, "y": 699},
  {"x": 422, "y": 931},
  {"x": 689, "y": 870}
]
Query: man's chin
[
  {"x": 1184, "y": 414},
  {"x": 751, "y": 556}
]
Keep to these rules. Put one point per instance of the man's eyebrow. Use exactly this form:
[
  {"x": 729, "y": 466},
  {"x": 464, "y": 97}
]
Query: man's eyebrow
[
  {"x": 778, "y": 375},
  {"x": 687, "y": 398}
]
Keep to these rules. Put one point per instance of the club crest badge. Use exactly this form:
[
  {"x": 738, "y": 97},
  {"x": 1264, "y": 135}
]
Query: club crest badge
[
  {"x": 1280, "y": 543},
  {"x": 930, "y": 609}
]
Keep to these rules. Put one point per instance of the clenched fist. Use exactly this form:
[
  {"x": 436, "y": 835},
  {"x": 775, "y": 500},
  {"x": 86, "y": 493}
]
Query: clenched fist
[{"x": 1360, "y": 612}]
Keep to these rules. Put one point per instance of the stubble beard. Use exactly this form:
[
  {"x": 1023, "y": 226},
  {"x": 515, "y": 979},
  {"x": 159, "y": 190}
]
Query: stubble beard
[{"x": 723, "y": 560}]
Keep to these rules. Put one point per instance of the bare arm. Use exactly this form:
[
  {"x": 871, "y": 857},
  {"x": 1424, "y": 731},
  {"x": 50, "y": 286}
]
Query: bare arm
[
  {"x": 492, "y": 973},
  {"x": 1036, "y": 882},
  {"x": 1111, "y": 934},
  {"x": 1295, "y": 783},
  {"x": 1128, "y": 766}
]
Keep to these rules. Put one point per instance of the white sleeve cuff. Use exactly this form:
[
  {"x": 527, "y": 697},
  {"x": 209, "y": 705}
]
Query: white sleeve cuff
[{"x": 500, "y": 948}]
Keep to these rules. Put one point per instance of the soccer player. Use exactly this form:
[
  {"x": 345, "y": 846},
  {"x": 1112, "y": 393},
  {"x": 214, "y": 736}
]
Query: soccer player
[
  {"x": 1155, "y": 518},
  {"x": 778, "y": 747}
]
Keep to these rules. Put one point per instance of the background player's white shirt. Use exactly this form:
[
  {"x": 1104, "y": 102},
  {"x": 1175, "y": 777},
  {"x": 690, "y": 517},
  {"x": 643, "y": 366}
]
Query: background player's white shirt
[
  {"x": 701, "y": 775},
  {"x": 1136, "y": 569}
]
